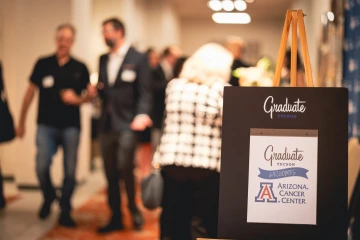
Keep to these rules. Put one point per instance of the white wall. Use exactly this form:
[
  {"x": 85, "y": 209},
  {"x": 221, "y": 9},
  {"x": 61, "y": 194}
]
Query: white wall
[
  {"x": 81, "y": 16},
  {"x": 100, "y": 12},
  {"x": 125, "y": 10},
  {"x": 195, "y": 32},
  {"x": 148, "y": 23},
  {"x": 23, "y": 44},
  {"x": 163, "y": 26},
  {"x": 29, "y": 31}
]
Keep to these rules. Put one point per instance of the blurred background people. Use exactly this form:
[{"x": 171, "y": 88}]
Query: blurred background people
[
  {"x": 179, "y": 66},
  {"x": 125, "y": 90},
  {"x": 60, "y": 79},
  {"x": 160, "y": 78},
  {"x": 7, "y": 129},
  {"x": 236, "y": 46},
  {"x": 145, "y": 151},
  {"x": 153, "y": 58},
  {"x": 189, "y": 150},
  {"x": 286, "y": 71}
]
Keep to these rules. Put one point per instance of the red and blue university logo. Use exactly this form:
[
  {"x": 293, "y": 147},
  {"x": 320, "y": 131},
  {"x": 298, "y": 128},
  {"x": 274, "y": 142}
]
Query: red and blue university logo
[{"x": 266, "y": 193}]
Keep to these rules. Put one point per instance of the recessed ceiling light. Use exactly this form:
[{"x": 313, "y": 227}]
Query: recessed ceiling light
[
  {"x": 228, "y": 5},
  {"x": 250, "y": 1},
  {"x": 215, "y": 5},
  {"x": 240, "y": 5},
  {"x": 231, "y": 18}
]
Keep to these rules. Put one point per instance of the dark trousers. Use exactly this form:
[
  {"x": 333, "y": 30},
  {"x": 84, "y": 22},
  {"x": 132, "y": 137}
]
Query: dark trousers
[
  {"x": 118, "y": 150},
  {"x": 48, "y": 139},
  {"x": 190, "y": 203}
]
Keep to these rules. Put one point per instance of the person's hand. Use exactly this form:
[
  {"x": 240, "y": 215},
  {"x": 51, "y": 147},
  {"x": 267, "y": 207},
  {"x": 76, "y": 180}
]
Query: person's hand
[
  {"x": 92, "y": 91},
  {"x": 141, "y": 122},
  {"x": 70, "y": 97},
  {"x": 100, "y": 86},
  {"x": 20, "y": 131}
]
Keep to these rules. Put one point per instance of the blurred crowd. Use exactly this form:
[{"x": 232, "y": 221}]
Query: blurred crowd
[{"x": 167, "y": 105}]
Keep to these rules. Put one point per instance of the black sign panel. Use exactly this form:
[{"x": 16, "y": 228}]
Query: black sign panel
[{"x": 324, "y": 110}]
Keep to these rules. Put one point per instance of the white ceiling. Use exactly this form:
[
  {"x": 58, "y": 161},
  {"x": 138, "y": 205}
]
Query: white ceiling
[{"x": 258, "y": 10}]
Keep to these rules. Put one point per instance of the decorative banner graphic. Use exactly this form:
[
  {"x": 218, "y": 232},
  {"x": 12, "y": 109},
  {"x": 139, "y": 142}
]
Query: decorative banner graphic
[
  {"x": 283, "y": 173},
  {"x": 283, "y": 176}
]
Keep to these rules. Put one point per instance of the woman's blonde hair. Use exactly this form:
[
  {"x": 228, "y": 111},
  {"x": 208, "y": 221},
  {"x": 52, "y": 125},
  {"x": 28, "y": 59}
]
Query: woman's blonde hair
[{"x": 210, "y": 63}]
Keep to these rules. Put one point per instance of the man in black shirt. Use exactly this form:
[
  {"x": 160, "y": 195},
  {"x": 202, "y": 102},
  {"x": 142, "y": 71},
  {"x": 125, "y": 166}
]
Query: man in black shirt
[{"x": 61, "y": 81}]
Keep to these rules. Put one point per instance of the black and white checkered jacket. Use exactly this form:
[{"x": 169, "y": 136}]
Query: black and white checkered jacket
[{"x": 192, "y": 130}]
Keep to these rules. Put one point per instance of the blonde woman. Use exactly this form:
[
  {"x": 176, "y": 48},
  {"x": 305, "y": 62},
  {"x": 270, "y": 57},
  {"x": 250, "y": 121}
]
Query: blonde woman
[{"x": 189, "y": 150}]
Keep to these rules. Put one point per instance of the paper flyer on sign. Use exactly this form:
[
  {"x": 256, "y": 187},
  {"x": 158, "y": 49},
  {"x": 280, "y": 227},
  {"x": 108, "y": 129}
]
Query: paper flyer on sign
[{"x": 283, "y": 179}]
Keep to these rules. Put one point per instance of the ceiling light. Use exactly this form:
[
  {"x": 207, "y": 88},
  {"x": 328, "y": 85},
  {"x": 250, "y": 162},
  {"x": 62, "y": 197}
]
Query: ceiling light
[
  {"x": 250, "y": 1},
  {"x": 331, "y": 16},
  {"x": 215, "y": 5},
  {"x": 231, "y": 18},
  {"x": 240, "y": 5},
  {"x": 228, "y": 5}
]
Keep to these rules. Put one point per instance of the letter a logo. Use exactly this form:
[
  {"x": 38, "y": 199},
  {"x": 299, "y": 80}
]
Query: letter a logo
[{"x": 266, "y": 193}]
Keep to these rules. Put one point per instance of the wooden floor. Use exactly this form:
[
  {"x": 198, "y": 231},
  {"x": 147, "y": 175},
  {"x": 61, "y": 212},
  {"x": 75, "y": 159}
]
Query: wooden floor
[{"x": 95, "y": 213}]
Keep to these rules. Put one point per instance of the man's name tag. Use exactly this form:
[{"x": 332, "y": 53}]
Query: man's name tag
[
  {"x": 48, "y": 81},
  {"x": 128, "y": 75}
]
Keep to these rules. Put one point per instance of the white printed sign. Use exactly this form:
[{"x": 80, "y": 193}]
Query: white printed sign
[{"x": 283, "y": 179}]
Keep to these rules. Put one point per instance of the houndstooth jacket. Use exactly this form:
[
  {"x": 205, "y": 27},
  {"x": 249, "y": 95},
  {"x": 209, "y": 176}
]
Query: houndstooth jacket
[{"x": 192, "y": 129}]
